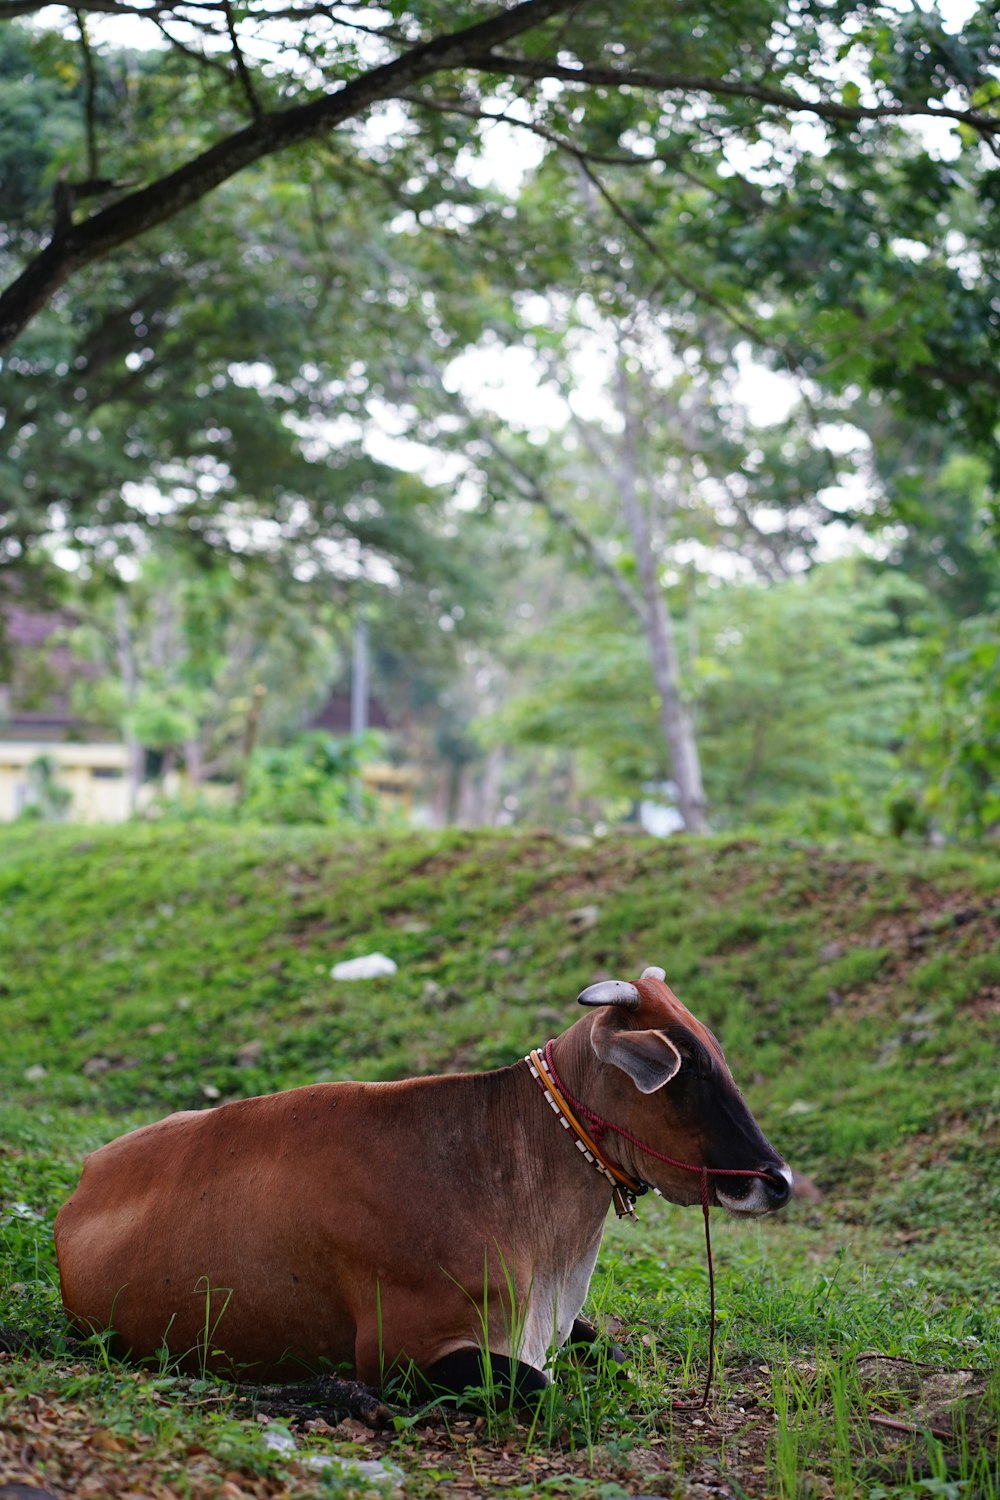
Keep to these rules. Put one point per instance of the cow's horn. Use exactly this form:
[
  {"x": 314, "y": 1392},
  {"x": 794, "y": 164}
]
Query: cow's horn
[
  {"x": 653, "y": 972},
  {"x": 611, "y": 992}
]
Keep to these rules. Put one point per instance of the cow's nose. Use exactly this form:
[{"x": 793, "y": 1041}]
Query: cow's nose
[{"x": 778, "y": 1184}]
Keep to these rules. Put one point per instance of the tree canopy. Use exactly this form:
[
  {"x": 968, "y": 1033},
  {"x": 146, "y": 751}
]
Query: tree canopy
[
  {"x": 246, "y": 248},
  {"x": 698, "y": 104}
]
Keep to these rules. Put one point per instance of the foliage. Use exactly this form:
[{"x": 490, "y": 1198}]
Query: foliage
[
  {"x": 694, "y": 79},
  {"x": 852, "y": 991},
  {"x": 314, "y": 780},
  {"x": 714, "y": 494},
  {"x": 179, "y": 651},
  {"x": 955, "y": 737},
  {"x": 801, "y": 690},
  {"x": 281, "y": 245},
  {"x": 162, "y": 723},
  {"x": 191, "y": 396},
  {"x": 934, "y": 511},
  {"x": 804, "y": 690},
  {"x": 202, "y": 412},
  {"x": 48, "y": 799},
  {"x": 853, "y": 252}
]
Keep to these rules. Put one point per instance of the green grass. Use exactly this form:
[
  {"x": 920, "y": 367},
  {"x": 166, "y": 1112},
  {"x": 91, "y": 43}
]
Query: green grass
[{"x": 857, "y": 993}]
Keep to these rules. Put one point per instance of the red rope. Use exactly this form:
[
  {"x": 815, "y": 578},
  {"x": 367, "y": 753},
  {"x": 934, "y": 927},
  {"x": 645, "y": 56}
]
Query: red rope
[
  {"x": 710, "y": 1372},
  {"x": 600, "y": 1126}
]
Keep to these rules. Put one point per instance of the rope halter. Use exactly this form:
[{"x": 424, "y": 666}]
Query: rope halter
[{"x": 627, "y": 1188}]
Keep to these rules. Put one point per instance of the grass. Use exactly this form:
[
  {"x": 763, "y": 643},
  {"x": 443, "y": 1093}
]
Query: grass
[{"x": 857, "y": 991}]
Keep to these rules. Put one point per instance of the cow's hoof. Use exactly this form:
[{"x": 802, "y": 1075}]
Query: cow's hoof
[
  {"x": 584, "y": 1336},
  {"x": 475, "y": 1380}
]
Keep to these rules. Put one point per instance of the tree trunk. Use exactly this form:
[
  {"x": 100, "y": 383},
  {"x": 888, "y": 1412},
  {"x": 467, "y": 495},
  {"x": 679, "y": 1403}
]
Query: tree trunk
[
  {"x": 675, "y": 718},
  {"x": 194, "y": 763},
  {"x": 130, "y": 687},
  {"x": 250, "y": 725}
]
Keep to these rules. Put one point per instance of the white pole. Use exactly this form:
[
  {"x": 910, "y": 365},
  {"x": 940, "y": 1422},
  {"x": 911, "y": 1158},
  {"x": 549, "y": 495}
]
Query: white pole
[{"x": 359, "y": 677}]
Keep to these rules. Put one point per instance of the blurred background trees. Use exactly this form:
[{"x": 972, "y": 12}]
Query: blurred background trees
[{"x": 634, "y": 376}]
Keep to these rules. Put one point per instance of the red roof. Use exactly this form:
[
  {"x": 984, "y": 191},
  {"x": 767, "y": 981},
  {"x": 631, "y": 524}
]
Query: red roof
[
  {"x": 32, "y": 630},
  {"x": 335, "y": 715}
]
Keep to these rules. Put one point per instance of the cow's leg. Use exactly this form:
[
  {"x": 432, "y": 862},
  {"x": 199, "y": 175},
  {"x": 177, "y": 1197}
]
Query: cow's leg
[
  {"x": 584, "y": 1334},
  {"x": 475, "y": 1371}
]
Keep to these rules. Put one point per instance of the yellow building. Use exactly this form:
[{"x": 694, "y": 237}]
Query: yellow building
[
  {"x": 391, "y": 787},
  {"x": 94, "y": 774},
  {"x": 49, "y": 757}
]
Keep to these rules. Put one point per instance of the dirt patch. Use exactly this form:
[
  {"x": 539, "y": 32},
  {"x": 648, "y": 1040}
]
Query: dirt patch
[
  {"x": 900, "y": 1413},
  {"x": 56, "y": 1445},
  {"x": 905, "y": 1397}
]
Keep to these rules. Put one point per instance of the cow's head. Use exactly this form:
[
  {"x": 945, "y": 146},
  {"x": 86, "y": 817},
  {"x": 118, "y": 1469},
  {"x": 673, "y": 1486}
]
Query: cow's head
[{"x": 662, "y": 1077}]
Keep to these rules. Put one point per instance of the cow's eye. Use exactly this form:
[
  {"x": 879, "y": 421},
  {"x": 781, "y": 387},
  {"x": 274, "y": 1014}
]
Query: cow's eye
[{"x": 695, "y": 1063}]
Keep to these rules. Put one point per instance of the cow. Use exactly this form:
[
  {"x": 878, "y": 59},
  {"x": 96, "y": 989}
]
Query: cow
[{"x": 431, "y": 1225}]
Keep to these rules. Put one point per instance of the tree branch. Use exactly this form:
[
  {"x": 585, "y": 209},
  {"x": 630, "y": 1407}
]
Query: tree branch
[
  {"x": 766, "y": 540},
  {"x": 243, "y": 72},
  {"x": 11, "y": 9},
  {"x": 529, "y": 488},
  {"x": 694, "y": 83},
  {"x": 90, "y": 98},
  {"x": 200, "y": 58},
  {"x": 584, "y": 153},
  {"x": 75, "y": 245},
  {"x": 82, "y": 244},
  {"x": 706, "y": 296}
]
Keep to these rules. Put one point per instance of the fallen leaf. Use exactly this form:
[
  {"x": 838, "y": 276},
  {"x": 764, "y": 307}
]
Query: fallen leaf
[{"x": 106, "y": 1442}]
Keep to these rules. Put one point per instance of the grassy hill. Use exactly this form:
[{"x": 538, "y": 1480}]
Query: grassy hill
[{"x": 857, "y": 994}]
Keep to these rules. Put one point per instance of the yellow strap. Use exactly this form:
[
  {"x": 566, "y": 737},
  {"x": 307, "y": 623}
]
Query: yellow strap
[{"x": 545, "y": 1077}]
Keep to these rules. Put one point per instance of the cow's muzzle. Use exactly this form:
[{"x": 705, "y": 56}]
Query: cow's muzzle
[{"x": 754, "y": 1196}]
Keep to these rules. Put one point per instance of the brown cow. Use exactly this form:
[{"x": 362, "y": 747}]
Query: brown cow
[{"x": 375, "y": 1226}]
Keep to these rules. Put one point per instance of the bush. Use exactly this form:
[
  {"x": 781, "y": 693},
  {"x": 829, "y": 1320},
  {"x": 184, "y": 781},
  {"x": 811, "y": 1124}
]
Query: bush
[{"x": 316, "y": 780}]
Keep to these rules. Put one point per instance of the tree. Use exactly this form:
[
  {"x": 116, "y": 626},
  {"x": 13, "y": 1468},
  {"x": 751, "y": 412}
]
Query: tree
[
  {"x": 315, "y": 780},
  {"x": 609, "y": 85},
  {"x": 953, "y": 744},
  {"x": 180, "y": 651},
  {"x": 804, "y": 691},
  {"x": 832, "y": 254},
  {"x": 938, "y": 507},
  {"x": 664, "y": 477},
  {"x": 142, "y": 422},
  {"x": 943, "y": 508},
  {"x": 188, "y": 396},
  {"x": 801, "y": 691}
]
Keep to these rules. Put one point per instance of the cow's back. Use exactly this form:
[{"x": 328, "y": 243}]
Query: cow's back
[
  {"x": 205, "y": 1230},
  {"x": 309, "y": 1222}
]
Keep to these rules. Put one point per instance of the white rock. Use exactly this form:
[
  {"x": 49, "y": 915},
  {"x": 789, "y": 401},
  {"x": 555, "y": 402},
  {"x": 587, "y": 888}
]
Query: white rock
[
  {"x": 372, "y": 1469},
  {"x": 21, "y": 1211},
  {"x": 583, "y": 918},
  {"x": 371, "y": 966},
  {"x": 278, "y": 1439}
]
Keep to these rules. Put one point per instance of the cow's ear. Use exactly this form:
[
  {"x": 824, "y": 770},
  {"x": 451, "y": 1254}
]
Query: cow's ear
[{"x": 648, "y": 1057}]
